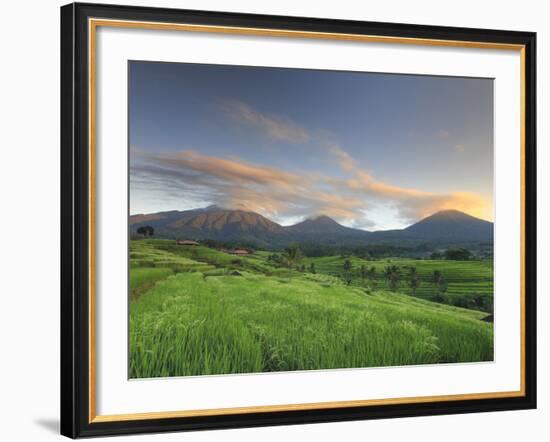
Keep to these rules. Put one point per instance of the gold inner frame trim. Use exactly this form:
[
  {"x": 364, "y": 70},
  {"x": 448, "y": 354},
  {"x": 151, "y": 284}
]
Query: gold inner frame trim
[{"x": 93, "y": 24}]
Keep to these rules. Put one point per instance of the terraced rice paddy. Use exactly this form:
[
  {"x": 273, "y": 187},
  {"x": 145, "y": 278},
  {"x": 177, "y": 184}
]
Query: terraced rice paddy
[
  {"x": 467, "y": 281},
  {"x": 198, "y": 311}
]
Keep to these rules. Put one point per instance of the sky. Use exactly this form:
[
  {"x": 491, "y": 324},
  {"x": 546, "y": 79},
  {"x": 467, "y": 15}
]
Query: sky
[{"x": 373, "y": 151}]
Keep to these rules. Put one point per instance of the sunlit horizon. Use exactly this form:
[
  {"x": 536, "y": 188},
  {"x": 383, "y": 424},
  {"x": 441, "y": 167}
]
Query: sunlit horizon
[{"x": 372, "y": 151}]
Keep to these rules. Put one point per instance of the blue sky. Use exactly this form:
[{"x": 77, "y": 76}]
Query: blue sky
[{"x": 373, "y": 151}]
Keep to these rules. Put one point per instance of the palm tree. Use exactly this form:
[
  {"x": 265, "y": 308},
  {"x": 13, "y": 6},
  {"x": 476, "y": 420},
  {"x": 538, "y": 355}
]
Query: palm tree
[
  {"x": 371, "y": 274},
  {"x": 347, "y": 265},
  {"x": 347, "y": 271},
  {"x": 436, "y": 277},
  {"x": 414, "y": 280},
  {"x": 439, "y": 282},
  {"x": 292, "y": 255},
  {"x": 392, "y": 274}
]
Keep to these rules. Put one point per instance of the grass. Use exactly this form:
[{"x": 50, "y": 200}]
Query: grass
[
  {"x": 469, "y": 282},
  {"x": 201, "y": 311},
  {"x": 142, "y": 279}
]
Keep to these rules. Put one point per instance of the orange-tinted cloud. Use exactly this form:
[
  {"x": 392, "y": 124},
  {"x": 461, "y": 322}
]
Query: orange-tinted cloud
[
  {"x": 238, "y": 184},
  {"x": 231, "y": 170},
  {"x": 412, "y": 204},
  {"x": 281, "y": 194}
]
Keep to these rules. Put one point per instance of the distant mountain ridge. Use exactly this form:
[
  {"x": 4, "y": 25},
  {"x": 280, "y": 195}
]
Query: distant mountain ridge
[
  {"x": 451, "y": 224},
  {"x": 217, "y": 223},
  {"x": 322, "y": 224}
]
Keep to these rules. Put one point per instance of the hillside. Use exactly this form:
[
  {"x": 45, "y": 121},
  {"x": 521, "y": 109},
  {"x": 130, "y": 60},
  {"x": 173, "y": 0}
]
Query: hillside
[
  {"x": 451, "y": 225},
  {"x": 445, "y": 227},
  {"x": 215, "y": 223},
  {"x": 323, "y": 225}
]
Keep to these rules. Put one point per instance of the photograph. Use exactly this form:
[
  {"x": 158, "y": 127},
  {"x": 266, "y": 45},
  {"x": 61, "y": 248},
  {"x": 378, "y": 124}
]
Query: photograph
[{"x": 285, "y": 219}]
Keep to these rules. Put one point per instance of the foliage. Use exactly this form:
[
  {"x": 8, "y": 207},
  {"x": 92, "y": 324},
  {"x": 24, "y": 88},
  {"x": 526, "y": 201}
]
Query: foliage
[
  {"x": 366, "y": 252},
  {"x": 276, "y": 259},
  {"x": 200, "y": 313},
  {"x": 458, "y": 254},
  {"x": 347, "y": 275},
  {"x": 436, "y": 277},
  {"x": 466, "y": 280},
  {"x": 146, "y": 231},
  {"x": 414, "y": 280},
  {"x": 347, "y": 265},
  {"x": 292, "y": 255},
  {"x": 392, "y": 275}
]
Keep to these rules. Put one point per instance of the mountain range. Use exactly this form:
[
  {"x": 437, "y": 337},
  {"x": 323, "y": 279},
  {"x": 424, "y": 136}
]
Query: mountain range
[{"x": 217, "y": 223}]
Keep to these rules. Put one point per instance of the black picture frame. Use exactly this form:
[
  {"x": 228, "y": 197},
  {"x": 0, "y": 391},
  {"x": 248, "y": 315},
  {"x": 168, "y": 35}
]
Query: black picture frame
[{"x": 75, "y": 220}]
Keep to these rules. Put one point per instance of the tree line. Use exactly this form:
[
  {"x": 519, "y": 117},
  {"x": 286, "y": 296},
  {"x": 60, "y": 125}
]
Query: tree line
[{"x": 392, "y": 274}]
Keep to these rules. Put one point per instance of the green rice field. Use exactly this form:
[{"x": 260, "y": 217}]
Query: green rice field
[
  {"x": 468, "y": 281},
  {"x": 195, "y": 310}
]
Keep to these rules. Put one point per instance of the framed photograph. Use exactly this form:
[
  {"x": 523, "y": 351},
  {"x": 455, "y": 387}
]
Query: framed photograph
[{"x": 279, "y": 220}]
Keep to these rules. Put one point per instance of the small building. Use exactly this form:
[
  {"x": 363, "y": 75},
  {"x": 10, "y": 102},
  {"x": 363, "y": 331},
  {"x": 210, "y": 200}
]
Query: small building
[
  {"x": 240, "y": 252},
  {"x": 186, "y": 242}
]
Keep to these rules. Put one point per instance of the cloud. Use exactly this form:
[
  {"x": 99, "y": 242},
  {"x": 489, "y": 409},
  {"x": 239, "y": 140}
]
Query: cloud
[
  {"x": 242, "y": 185},
  {"x": 344, "y": 159},
  {"x": 230, "y": 170},
  {"x": 201, "y": 179},
  {"x": 275, "y": 127},
  {"x": 411, "y": 204}
]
